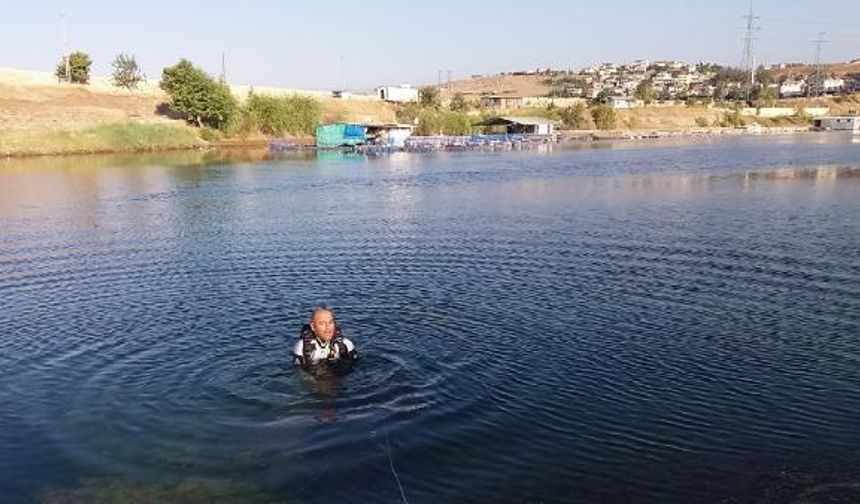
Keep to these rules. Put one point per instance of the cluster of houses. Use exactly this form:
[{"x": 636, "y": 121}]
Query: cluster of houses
[
  {"x": 617, "y": 85},
  {"x": 671, "y": 80}
]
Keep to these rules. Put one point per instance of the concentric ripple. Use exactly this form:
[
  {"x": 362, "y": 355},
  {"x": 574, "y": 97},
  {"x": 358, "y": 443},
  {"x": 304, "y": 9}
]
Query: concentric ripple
[{"x": 580, "y": 325}]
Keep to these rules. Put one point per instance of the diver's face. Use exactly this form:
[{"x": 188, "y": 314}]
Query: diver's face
[{"x": 323, "y": 325}]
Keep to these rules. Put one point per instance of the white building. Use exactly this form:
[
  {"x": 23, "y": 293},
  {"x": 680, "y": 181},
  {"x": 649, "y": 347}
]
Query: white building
[
  {"x": 832, "y": 85},
  {"x": 841, "y": 123},
  {"x": 792, "y": 88},
  {"x": 400, "y": 94},
  {"x": 619, "y": 102}
]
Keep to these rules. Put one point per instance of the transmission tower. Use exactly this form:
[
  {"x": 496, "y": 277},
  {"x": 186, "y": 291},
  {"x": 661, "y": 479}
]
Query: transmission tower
[
  {"x": 748, "y": 61},
  {"x": 816, "y": 83}
]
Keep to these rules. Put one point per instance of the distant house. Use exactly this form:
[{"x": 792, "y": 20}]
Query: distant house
[
  {"x": 522, "y": 125},
  {"x": 398, "y": 94},
  {"x": 833, "y": 85},
  {"x": 502, "y": 101},
  {"x": 619, "y": 102},
  {"x": 792, "y": 88},
  {"x": 838, "y": 123}
]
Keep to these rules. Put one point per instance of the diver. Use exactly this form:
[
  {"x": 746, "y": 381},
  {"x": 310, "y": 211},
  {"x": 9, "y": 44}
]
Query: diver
[{"x": 321, "y": 342}]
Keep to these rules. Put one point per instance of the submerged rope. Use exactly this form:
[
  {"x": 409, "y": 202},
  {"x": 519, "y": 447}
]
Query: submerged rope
[{"x": 393, "y": 471}]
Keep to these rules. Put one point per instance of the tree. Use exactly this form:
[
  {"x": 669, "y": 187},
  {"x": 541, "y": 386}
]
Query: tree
[
  {"x": 204, "y": 101},
  {"x": 765, "y": 95},
  {"x": 604, "y": 117},
  {"x": 459, "y": 103},
  {"x": 603, "y": 95},
  {"x": 574, "y": 117},
  {"x": 645, "y": 91},
  {"x": 79, "y": 64},
  {"x": 126, "y": 72},
  {"x": 429, "y": 97}
]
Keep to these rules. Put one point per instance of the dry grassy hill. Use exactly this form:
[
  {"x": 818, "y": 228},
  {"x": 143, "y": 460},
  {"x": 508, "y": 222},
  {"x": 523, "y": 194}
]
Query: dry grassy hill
[
  {"x": 40, "y": 115},
  {"x": 837, "y": 69}
]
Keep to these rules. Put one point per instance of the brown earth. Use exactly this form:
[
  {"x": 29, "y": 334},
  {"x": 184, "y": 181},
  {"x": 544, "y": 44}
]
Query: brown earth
[{"x": 36, "y": 107}]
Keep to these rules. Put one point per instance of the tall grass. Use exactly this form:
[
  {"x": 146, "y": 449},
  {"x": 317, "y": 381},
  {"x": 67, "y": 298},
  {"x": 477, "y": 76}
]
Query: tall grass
[
  {"x": 126, "y": 137},
  {"x": 278, "y": 115}
]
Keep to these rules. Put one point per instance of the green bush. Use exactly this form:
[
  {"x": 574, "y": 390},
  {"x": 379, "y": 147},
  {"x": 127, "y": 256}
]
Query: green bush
[
  {"x": 209, "y": 134},
  {"x": 271, "y": 115},
  {"x": 436, "y": 122},
  {"x": 702, "y": 122},
  {"x": 574, "y": 117},
  {"x": 459, "y": 103},
  {"x": 604, "y": 117},
  {"x": 204, "y": 101},
  {"x": 79, "y": 68},
  {"x": 429, "y": 97}
]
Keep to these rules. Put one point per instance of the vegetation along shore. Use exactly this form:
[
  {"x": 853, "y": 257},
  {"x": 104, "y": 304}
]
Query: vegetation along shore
[{"x": 70, "y": 112}]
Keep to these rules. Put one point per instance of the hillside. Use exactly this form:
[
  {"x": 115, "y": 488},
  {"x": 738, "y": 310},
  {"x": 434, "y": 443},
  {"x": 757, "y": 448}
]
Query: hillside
[
  {"x": 38, "y": 115},
  {"x": 835, "y": 69}
]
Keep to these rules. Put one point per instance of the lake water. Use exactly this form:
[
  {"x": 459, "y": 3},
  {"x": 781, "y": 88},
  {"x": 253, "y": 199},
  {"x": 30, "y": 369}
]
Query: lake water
[{"x": 627, "y": 322}]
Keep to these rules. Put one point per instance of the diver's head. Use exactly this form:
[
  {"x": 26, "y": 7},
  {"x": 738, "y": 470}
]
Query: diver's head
[{"x": 322, "y": 323}]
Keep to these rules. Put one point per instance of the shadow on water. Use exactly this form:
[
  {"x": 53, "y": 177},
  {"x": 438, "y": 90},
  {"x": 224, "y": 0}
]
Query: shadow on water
[
  {"x": 104, "y": 490},
  {"x": 795, "y": 486}
]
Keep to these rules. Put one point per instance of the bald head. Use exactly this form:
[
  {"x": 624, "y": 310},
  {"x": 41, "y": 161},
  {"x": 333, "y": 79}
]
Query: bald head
[{"x": 322, "y": 323}]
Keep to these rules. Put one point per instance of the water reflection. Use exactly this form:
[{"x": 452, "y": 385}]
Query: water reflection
[{"x": 692, "y": 306}]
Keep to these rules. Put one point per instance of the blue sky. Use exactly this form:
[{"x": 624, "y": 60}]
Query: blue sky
[{"x": 305, "y": 44}]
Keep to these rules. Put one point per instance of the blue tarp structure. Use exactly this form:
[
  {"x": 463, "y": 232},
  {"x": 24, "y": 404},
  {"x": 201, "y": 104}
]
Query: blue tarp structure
[{"x": 339, "y": 135}]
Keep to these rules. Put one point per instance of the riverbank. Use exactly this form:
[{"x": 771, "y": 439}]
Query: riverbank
[
  {"x": 39, "y": 116},
  {"x": 101, "y": 139}
]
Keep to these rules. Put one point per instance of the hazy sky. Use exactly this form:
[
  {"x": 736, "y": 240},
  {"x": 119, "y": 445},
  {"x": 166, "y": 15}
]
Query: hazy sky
[{"x": 305, "y": 44}]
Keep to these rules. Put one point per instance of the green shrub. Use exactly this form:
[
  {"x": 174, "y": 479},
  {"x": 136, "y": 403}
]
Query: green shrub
[
  {"x": 126, "y": 72},
  {"x": 604, "y": 117},
  {"x": 459, "y": 103},
  {"x": 204, "y": 101},
  {"x": 574, "y": 117},
  {"x": 436, "y": 122},
  {"x": 271, "y": 115},
  {"x": 79, "y": 68},
  {"x": 702, "y": 122}
]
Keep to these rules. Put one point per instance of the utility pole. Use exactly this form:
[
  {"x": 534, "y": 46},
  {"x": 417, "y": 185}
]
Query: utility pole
[
  {"x": 342, "y": 78},
  {"x": 223, "y": 67},
  {"x": 66, "y": 48}
]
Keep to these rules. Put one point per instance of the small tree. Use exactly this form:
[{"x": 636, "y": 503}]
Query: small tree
[
  {"x": 205, "y": 101},
  {"x": 645, "y": 92},
  {"x": 459, "y": 103},
  {"x": 603, "y": 95},
  {"x": 126, "y": 72},
  {"x": 604, "y": 117},
  {"x": 428, "y": 97},
  {"x": 574, "y": 117},
  {"x": 765, "y": 96},
  {"x": 79, "y": 64}
]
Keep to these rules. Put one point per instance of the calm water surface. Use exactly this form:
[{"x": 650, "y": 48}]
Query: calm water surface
[{"x": 630, "y": 322}]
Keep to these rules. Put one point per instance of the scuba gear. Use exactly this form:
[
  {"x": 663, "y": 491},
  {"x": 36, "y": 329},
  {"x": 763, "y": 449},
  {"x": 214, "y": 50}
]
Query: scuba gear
[{"x": 310, "y": 350}]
